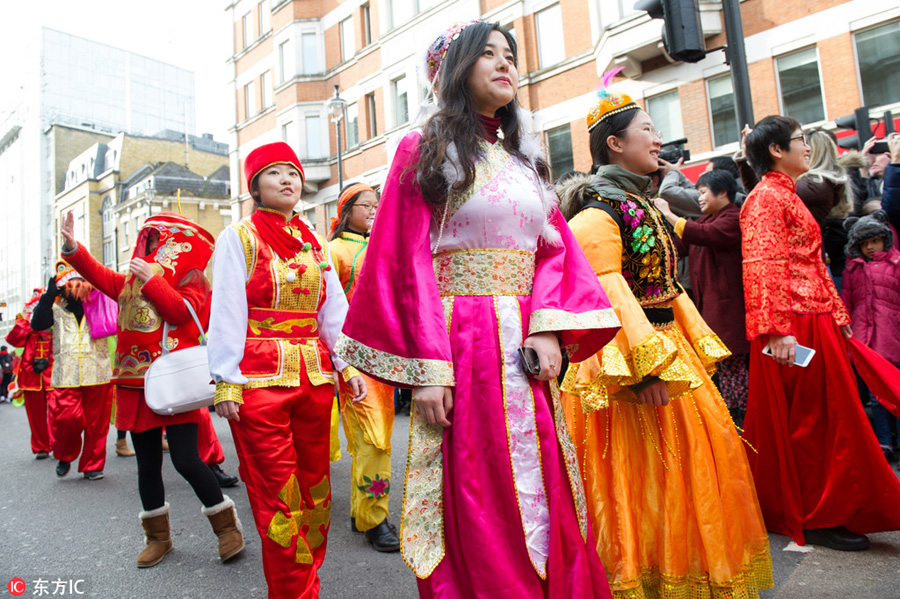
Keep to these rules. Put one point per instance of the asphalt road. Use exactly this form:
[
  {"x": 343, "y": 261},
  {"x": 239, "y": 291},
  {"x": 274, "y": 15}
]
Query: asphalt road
[{"x": 70, "y": 530}]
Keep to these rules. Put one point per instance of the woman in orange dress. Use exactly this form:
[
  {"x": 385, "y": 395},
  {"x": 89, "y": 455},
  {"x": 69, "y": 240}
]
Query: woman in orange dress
[{"x": 668, "y": 486}]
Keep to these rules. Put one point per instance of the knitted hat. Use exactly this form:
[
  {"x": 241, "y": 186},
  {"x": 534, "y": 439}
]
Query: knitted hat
[
  {"x": 267, "y": 155},
  {"x": 860, "y": 229}
]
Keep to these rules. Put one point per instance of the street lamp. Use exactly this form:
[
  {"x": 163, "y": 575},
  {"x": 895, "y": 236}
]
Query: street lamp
[{"x": 337, "y": 107}]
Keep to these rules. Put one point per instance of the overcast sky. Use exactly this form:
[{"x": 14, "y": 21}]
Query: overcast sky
[{"x": 192, "y": 34}]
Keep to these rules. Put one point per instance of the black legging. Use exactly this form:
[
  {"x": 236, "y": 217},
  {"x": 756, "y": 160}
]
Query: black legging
[{"x": 186, "y": 459}]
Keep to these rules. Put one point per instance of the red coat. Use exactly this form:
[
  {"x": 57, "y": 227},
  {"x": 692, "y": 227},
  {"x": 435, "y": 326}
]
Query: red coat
[
  {"x": 784, "y": 273},
  {"x": 36, "y": 344},
  {"x": 713, "y": 245},
  {"x": 871, "y": 291}
]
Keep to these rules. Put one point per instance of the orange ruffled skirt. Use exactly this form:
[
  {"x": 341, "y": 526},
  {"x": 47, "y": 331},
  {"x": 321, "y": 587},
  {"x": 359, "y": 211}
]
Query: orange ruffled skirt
[{"x": 669, "y": 489}]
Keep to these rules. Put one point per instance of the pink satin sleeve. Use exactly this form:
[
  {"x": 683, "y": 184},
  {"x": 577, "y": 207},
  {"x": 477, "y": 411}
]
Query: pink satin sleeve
[{"x": 567, "y": 298}]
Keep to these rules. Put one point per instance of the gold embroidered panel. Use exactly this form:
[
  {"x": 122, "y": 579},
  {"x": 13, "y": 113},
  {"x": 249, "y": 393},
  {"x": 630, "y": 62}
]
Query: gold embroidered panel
[{"x": 484, "y": 272}]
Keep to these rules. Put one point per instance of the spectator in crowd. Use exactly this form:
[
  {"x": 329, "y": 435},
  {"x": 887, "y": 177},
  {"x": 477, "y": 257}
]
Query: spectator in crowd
[
  {"x": 820, "y": 475},
  {"x": 33, "y": 375},
  {"x": 890, "y": 199},
  {"x": 713, "y": 245},
  {"x": 7, "y": 373},
  {"x": 872, "y": 295}
]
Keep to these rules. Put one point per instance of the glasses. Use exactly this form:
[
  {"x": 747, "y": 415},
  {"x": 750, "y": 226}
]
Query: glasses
[
  {"x": 802, "y": 137},
  {"x": 651, "y": 130},
  {"x": 366, "y": 207}
]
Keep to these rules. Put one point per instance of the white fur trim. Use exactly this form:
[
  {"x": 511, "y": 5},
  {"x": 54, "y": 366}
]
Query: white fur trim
[
  {"x": 451, "y": 169},
  {"x": 154, "y": 513},
  {"x": 226, "y": 504}
]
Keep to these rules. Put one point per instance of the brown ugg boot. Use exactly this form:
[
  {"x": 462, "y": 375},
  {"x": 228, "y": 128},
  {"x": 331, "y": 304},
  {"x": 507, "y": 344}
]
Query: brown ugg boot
[
  {"x": 227, "y": 526},
  {"x": 122, "y": 449},
  {"x": 156, "y": 529}
]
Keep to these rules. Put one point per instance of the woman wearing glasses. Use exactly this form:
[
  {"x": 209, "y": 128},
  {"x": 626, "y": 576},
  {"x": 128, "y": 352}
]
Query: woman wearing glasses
[
  {"x": 669, "y": 490},
  {"x": 369, "y": 423}
]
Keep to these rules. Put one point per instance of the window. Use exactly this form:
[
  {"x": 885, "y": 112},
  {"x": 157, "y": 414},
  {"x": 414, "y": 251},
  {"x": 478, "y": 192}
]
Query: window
[
  {"x": 347, "y": 46},
  {"x": 722, "y": 111},
  {"x": 878, "y": 53},
  {"x": 401, "y": 12},
  {"x": 125, "y": 233},
  {"x": 314, "y": 137},
  {"x": 289, "y": 134},
  {"x": 245, "y": 30},
  {"x": 352, "y": 125},
  {"x": 559, "y": 144},
  {"x": 249, "y": 100},
  {"x": 109, "y": 254},
  {"x": 311, "y": 217},
  {"x": 551, "y": 48},
  {"x": 310, "y": 53},
  {"x": 265, "y": 83},
  {"x": 106, "y": 211},
  {"x": 665, "y": 110},
  {"x": 370, "y": 114},
  {"x": 800, "y": 86},
  {"x": 285, "y": 61},
  {"x": 367, "y": 24},
  {"x": 398, "y": 93},
  {"x": 262, "y": 11}
]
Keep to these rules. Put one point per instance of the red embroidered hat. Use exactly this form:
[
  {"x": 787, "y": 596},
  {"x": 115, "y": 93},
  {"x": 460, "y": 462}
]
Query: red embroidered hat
[
  {"x": 437, "y": 51},
  {"x": 183, "y": 244},
  {"x": 267, "y": 155}
]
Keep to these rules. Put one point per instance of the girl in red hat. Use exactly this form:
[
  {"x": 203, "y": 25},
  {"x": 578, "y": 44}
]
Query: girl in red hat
[{"x": 277, "y": 310}]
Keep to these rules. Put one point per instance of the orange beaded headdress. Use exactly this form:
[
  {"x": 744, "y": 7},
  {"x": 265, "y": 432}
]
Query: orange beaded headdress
[{"x": 609, "y": 103}]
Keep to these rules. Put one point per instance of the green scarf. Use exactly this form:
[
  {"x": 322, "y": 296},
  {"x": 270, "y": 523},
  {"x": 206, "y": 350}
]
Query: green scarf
[{"x": 612, "y": 181}]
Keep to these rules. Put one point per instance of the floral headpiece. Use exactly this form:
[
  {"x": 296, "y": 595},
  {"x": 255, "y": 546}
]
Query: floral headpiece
[
  {"x": 435, "y": 54},
  {"x": 609, "y": 103}
]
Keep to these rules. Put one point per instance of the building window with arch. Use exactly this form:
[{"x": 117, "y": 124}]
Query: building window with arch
[
  {"x": 800, "y": 86},
  {"x": 878, "y": 62}
]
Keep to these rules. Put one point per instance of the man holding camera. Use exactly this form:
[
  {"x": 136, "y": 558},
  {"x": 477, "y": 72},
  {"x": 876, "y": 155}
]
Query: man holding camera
[{"x": 33, "y": 378}]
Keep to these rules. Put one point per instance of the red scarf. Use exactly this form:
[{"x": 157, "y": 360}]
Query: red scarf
[{"x": 272, "y": 225}]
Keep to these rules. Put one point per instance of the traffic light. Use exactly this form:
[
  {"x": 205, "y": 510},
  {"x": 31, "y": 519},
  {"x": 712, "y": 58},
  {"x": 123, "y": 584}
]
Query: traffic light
[
  {"x": 682, "y": 32},
  {"x": 859, "y": 122}
]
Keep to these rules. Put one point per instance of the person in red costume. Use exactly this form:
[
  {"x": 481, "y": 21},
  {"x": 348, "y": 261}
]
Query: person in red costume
[
  {"x": 165, "y": 276},
  {"x": 819, "y": 471},
  {"x": 33, "y": 378},
  {"x": 277, "y": 310},
  {"x": 81, "y": 400}
]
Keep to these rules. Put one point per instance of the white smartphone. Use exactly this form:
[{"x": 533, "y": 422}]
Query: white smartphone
[{"x": 802, "y": 354}]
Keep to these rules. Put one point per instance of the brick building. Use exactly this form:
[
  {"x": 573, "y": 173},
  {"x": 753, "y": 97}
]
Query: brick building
[
  {"x": 114, "y": 184},
  {"x": 813, "y": 59}
]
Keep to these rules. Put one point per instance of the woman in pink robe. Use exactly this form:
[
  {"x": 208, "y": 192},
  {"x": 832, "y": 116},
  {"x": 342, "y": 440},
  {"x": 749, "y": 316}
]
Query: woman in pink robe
[{"x": 451, "y": 289}]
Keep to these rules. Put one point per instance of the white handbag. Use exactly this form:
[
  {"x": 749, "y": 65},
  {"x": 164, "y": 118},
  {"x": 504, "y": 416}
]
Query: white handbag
[{"x": 179, "y": 381}]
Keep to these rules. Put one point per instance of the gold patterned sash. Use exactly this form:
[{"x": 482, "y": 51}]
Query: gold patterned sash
[{"x": 484, "y": 272}]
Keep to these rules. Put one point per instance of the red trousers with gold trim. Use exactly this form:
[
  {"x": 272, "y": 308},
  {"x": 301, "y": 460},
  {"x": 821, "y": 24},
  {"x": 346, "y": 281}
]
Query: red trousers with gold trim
[
  {"x": 282, "y": 441},
  {"x": 77, "y": 410},
  {"x": 36, "y": 408}
]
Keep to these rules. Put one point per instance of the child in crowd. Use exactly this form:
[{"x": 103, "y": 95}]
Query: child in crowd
[{"x": 871, "y": 292}]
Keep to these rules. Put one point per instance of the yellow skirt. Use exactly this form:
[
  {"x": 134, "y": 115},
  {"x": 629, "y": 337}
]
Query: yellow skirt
[{"x": 669, "y": 491}]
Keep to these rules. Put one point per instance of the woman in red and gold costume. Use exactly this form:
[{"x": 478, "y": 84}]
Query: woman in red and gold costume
[
  {"x": 369, "y": 423},
  {"x": 165, "y": 273},
  {"x": 820, "y": 473},
  {"x": 668, "y": 486},
  {"x": 33, "y": 378},
  {"x": 277, "y": 310}
]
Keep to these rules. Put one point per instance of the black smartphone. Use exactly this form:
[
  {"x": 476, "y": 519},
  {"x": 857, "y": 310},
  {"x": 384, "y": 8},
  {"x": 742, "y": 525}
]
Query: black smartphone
[{"x": 531, "y": 364}]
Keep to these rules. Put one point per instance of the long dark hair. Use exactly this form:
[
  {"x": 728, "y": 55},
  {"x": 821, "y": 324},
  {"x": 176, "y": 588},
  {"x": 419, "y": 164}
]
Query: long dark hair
[
  {"x": 612, "y": 125},
  {"x": 457, "y": 121},
  {"x": 344, "y": 216}
]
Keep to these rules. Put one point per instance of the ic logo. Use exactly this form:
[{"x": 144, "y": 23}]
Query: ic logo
[{"x": 16, "y": 587}]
